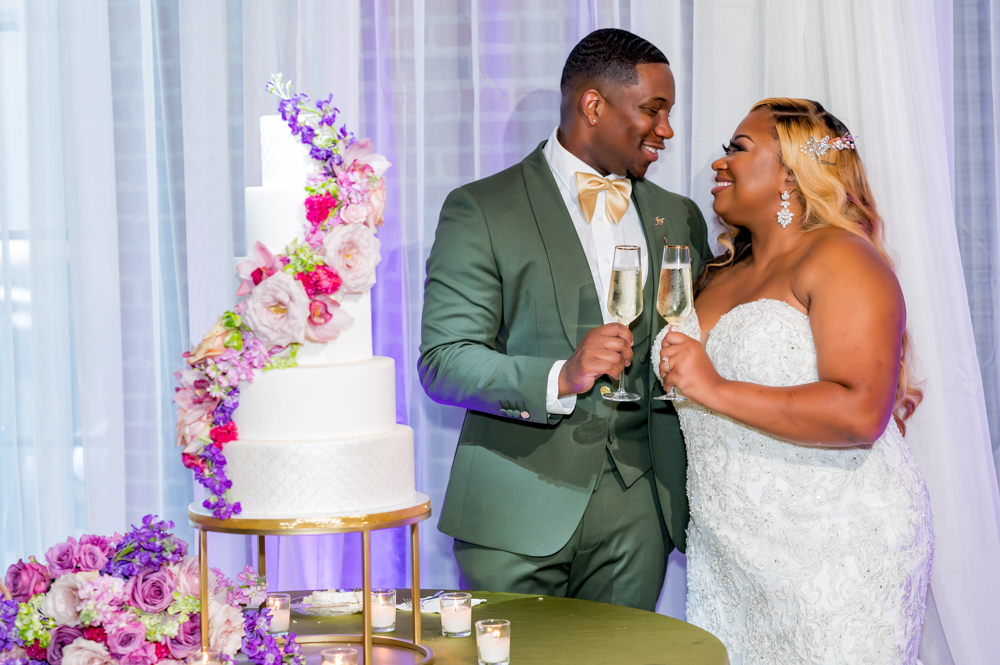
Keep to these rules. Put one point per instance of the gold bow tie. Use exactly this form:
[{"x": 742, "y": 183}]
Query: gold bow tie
[{"x": 588, "y": 186}]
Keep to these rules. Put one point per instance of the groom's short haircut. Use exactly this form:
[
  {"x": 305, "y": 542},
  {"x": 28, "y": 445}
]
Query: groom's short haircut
[{"x": 609, "y": 55}]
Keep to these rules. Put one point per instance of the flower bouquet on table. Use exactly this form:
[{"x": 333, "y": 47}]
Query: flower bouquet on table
[
  {"x": 291, "y": 298},
  {"x": 130, "y": 599}
]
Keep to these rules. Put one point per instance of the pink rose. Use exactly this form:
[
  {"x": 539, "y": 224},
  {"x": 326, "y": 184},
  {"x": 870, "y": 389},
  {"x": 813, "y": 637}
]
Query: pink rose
[
  {"x": 62, "y": 557},
  {"x": 151, "y": 591},
  {"x": 91, "y": 557},
  {"x": 85, "y": 652},
  {"x": 363, "y": 151},
  {"x": 188, "y": 576},
  {"x": 62, "y": 600},
  {"x": 145, "y": 655},
  {"x": 326, "y": 320},
  {"x": 225, "y": 627},
  {"x": 354, "y": 213},
  {"x": 127, "y": 638},
  {"x": 277, "y": 311},
  {"x": 353, "y": 251},
  {"x": 25, "y": 580},
  {"x": 377, "y": 203},
  {"x": 192, "y": 425},
  {"x": 188, "y": 638}
]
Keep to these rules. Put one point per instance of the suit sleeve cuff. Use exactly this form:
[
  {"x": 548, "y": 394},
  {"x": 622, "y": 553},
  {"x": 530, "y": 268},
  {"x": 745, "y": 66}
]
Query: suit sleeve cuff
[{"x": 553, "y": 403}]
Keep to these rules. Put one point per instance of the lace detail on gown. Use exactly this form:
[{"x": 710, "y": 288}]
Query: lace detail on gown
[{"x": 798, "y": 554}]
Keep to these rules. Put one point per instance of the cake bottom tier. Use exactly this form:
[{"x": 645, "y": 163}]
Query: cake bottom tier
[{"x": 314, "y": 478}]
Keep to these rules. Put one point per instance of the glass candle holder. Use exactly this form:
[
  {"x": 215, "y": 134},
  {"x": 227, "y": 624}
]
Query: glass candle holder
[
  {"x": 280, "y": 605},
  {"x": 456, "y": 614},
  {"x": 206, "y": 657},
  {"x": 383, "y": 610},
  {"x": 340, "y": 656},
  {"x": 493, "y": 641}
]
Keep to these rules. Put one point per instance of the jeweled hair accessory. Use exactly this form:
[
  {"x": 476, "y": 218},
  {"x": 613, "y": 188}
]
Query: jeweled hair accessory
[{"x": 816, "y": 149}]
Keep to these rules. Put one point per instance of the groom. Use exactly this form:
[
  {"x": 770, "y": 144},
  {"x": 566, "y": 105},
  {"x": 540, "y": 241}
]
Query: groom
[{"x": 553, "y": 489}]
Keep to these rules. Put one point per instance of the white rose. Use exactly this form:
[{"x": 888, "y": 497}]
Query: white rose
[
  {"x": 86, "y": 652},
  {"x": 225, "y": 627},
  {"x": 277, "y": 310},
  {"x": 353, "y": 251},
  {"x": 62, "y": 601}
]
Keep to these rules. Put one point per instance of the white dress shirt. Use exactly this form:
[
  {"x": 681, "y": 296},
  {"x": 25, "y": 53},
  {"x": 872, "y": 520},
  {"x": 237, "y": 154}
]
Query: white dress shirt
[{"x": 598, "y": 239}]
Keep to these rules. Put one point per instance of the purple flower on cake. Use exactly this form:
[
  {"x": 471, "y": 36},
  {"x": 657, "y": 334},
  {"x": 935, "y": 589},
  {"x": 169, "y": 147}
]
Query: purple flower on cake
[
  {"x": 277, "y": 311},
  {"x": 326, "y": 319},
  {"x": 24, "y": 580},
  {"x": 353, "y": 251},
  {"x": 261, "y": 265},
  {"x": 60, "y": 638},
  {"x": 254, "y": 352},
  {"x": 224, "y": 412},
  {"x": 62, "y": 557},
  {"x": 85, "y": 652},
  {"x": 151, "y": 590}
]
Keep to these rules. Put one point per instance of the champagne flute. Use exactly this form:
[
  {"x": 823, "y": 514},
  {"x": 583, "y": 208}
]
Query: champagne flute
[
  {"x": 625, "y": 302},
  {"x": 674, "y": 299}
]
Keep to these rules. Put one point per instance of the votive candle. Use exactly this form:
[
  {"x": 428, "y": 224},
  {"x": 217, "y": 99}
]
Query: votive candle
[
  {"x": 340, "y": 656},
  {"x": 281, "y": 611},
  {"x": 383, "y": 610},
  {"x": 456, "y": 614},
  {"x": 493, "y": 641}
]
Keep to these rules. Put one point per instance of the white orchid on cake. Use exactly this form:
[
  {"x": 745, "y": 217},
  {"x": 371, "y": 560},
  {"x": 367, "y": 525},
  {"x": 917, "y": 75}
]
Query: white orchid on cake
[{"x": 287, "y": 299}]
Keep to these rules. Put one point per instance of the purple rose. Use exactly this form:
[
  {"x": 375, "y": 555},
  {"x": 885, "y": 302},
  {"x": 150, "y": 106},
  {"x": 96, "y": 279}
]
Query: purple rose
[
  {"x": 62, "y": 557},
  {"x": 26, "y": 580},
  {"x": 90, "y": 557},
  {"x": 188, "y": 638},
  {"x": 128, "y": 638},
  {"x": 151, "y": 591},
  {"x": 61, "y": 637}
]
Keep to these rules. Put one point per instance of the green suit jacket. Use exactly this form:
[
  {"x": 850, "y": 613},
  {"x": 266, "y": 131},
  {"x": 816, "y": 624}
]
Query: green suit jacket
[{"x": 509, "y": 291}]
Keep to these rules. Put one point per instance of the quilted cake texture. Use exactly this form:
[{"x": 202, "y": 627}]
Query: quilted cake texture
[{"x": 312, "y": 478}]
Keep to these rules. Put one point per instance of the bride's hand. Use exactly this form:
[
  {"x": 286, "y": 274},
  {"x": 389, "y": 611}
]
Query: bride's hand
[{"x": 685, "y": 364}]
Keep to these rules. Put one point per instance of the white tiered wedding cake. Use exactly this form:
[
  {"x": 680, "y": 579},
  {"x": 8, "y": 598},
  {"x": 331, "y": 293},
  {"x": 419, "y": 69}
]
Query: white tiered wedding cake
[{"x": 320, "y": 438}]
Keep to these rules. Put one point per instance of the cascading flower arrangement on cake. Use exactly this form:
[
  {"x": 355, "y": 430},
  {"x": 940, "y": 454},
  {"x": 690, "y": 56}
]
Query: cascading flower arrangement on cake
[
  {"x": 291, "y": 298},
  {"x": 132, "y": 600}
]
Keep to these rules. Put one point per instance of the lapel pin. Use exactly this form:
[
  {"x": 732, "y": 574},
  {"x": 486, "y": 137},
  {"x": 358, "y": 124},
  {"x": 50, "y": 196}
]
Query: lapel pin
[{"x": 659, "y": 221}]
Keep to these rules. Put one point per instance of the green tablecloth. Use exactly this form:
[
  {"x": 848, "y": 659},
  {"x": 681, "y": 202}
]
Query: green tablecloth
[{"x": 549, "y": 630}]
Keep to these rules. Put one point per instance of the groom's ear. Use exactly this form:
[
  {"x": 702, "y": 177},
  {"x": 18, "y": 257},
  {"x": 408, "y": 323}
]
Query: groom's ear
[{"x": 591, "y": 105}]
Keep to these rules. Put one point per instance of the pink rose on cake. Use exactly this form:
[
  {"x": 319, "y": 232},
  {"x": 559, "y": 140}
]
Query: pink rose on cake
[
  {"x": 363, "y": 151},
  {"x": 355, "y": 213},
  {"x": 353, "y": 251},
  {"x": 326, "y": 319},
  {"x": 277, "y": 311}
]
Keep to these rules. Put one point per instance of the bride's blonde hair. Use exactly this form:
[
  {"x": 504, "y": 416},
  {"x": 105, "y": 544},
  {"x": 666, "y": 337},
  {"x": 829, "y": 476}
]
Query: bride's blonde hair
[{"x": 833, "y": 192}]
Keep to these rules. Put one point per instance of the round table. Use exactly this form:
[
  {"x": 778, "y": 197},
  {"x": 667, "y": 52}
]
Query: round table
[{"x": 544, "y": 630}]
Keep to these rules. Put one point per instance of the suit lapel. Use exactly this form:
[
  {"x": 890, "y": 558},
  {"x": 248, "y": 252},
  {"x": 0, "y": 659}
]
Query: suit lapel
[{"x": 579, "y": 309}]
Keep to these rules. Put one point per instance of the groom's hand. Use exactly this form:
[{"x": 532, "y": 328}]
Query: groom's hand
[{"x": 603, "y": 350}]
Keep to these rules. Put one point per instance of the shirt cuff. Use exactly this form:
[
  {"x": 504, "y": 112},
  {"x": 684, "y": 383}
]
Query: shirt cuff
[{"x": 553, "y": 403}]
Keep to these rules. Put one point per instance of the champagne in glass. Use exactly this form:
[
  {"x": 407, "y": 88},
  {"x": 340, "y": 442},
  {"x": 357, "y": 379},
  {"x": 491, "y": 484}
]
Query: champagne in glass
[
  {"x": 625, "y": 301},
  {"x": 674, "y": 298}
]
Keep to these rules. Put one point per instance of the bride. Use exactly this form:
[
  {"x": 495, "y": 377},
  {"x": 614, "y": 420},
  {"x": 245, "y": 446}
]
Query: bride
[{"x": 810, "y": 537}]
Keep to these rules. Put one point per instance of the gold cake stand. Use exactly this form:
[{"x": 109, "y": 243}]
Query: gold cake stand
[{"x": 407, "y": 514}]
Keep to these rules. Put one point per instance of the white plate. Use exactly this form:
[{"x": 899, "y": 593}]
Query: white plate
[{"x": 350, "y": 606}]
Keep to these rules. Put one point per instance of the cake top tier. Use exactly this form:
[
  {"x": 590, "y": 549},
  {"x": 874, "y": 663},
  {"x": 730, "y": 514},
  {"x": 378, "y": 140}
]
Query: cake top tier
[{"x": 285, "y": 160}]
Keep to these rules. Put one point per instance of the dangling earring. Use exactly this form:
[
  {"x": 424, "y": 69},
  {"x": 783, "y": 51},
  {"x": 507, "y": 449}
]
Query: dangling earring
[{"x": 785, "y": 215}]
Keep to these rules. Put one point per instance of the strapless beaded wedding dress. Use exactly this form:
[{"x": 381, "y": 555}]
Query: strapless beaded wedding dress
[{"x": 798, "y": 554}]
